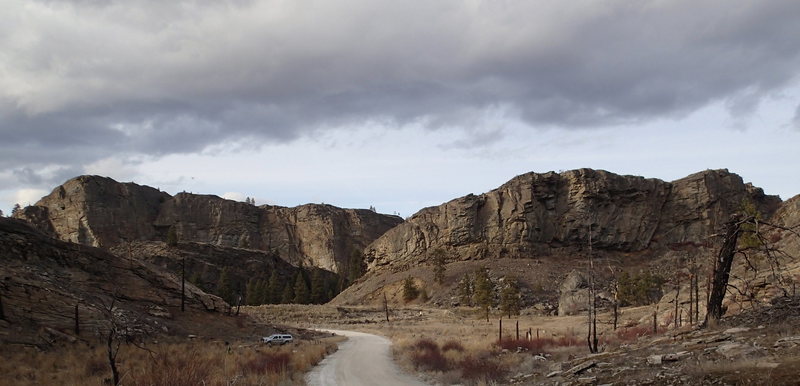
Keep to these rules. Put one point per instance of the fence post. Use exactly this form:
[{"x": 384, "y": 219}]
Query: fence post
[{"x": 501, "y": 331}]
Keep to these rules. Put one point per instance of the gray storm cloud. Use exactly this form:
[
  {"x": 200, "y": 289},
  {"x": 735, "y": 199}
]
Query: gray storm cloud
[{"x": 82, "y": 80}]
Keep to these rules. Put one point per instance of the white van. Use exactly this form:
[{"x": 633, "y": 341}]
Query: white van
[{"x": 277, "y": 339}]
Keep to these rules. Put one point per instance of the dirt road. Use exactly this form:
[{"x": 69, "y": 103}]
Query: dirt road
[{"x": 364, "y": 359}]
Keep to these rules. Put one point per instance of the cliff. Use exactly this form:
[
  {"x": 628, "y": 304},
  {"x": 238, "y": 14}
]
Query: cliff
[
  {"x": 535, "y": 215},
  {"x": 101, "y": 212}
]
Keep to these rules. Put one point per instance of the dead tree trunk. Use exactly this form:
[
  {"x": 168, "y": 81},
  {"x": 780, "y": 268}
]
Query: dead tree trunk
[
  {"x": 592, "y": 337},
  {"x": 691, "y": 297},
  {"x": 386, "y": 307},
  {"x": 77, "y": 321},
  {"x": 696, "y": 298},
  {"x": 655, "y": 320},
  {"x": 722, "y": 270},
  {"x": 677, "y": 294},
  {"x": 500, "y": 339},
  {"x": 183, "y": 284},
  {"x": 616, "y": 314}
]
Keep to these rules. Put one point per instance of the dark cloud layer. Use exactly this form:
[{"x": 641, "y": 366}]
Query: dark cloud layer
[{"x": 84, "y": 80}]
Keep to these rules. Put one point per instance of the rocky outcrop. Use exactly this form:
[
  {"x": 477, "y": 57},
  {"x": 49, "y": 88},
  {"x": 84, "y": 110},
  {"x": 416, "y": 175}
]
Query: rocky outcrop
[
  {"x": 97, "y": 211},
  {"x": 101, "y": 212},
  {"x": 47, "y": 281},
  {"x": 548, "y": 214}
]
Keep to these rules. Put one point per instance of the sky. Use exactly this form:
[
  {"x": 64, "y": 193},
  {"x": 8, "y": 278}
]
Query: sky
[{"x": 396, "y": 105}]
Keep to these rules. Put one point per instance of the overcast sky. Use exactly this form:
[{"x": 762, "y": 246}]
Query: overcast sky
[{"x": 395, "y": 104}]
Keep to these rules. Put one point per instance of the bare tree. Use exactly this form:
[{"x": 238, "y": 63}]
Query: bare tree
[
  {"x": 592, "y": 336},
  {"x": 113, "y": 335},
  {"x": 738, "y": 225},
  {"x": 183, "y": 284},
  {"x": 386, "y": 306}
]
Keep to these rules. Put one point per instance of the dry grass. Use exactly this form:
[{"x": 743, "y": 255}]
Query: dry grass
[{"x": 185, "y": 363}]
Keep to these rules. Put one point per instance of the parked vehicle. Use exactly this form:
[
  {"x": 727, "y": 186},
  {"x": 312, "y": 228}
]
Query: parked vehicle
[{"x": 277, "y": 339}]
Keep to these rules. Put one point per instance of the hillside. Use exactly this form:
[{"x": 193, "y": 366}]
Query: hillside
[
  {"x": 101, "y": 212},
  {"x": 48, "y": 282},
  {"x": 244, "y": 269}
]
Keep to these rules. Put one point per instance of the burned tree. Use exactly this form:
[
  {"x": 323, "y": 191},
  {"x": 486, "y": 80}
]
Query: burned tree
[
  {"x": 591, "y": 338},
  {"x": 739, "y": 226}
]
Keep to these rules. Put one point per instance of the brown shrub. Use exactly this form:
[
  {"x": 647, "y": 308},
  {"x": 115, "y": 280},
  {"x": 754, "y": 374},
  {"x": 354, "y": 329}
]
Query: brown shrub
[
  {"x": 472, "y": 368},
  {"x": 452, "y": 345},
  {"x": 632, "y": 333},
  {"x": 426, "y": 344},
  {"x": 430, "y": 360},
  {"x": 538, "y": 345}
]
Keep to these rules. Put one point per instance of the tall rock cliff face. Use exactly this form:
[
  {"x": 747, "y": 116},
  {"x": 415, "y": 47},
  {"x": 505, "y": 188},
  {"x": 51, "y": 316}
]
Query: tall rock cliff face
[
  {"x": 101, "y": 212},
  {"x": 549, "y": 214},
  {"x": 97, "y": 211}
]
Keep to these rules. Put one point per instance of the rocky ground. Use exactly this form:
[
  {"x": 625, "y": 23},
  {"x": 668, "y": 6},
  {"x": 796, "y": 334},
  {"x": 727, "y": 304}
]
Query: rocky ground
[{"x": 760, "y": 346}]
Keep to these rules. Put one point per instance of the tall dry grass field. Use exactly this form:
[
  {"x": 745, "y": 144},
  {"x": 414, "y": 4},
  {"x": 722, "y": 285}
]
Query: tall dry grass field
[{"x": 175, "y": 364}]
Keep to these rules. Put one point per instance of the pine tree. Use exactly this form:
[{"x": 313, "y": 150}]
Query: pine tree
[
  {"x": 172, "y": 236},
  {"x": 410, "y": 290},
  {"x": 288, "y": 294},
  {"x": 438, "y": 265},
  {"x": 300, "y": 290},
  {"x": 15, "y": 210},
  {"x": 465, "y": 290},
  {"x": 484, "y": 290},
  {"x": 510, "y": 302},
  {"x": 355, "y": 266},
  {"x": 317, "y": 287},
  {"x": 251, "y": 291},
  {"x": 262, "y": 292},
  {"x": 224, "y": 289},
  {"x": 195, "y": 279},
  {"x": 275, "y": 289}
]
